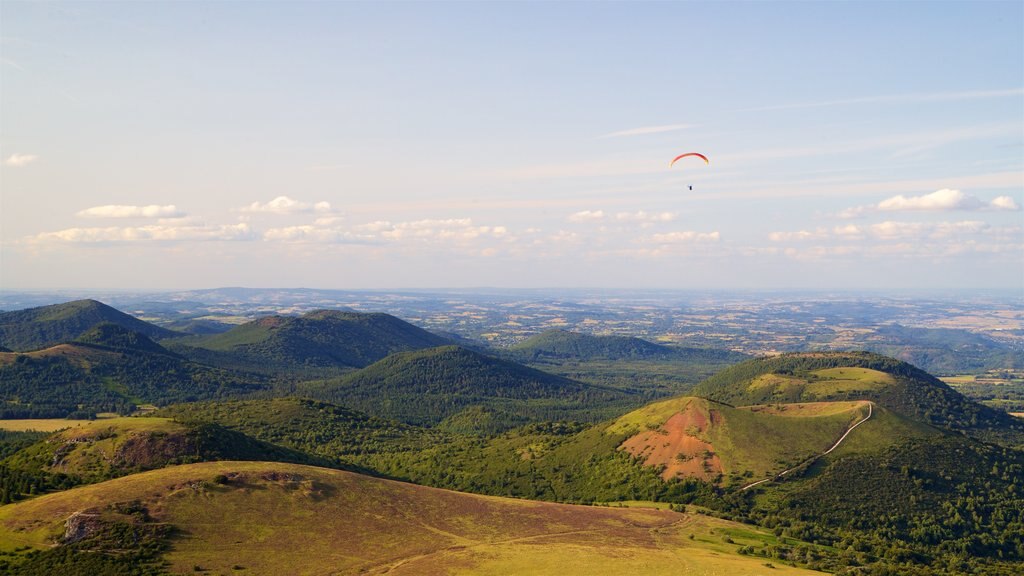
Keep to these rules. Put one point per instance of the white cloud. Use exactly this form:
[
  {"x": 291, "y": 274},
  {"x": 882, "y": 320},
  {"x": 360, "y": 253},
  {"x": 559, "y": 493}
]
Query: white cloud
[
  {"x": 315, "y": 234},
  {"x": 587, "y": 216},
  {"x": 123, "y": 211},
  {"x": 796, "y": 236},
  {"x": 147, "y": 233},
  {"x": 682, "y": 237},
  {"x": 19, "y": 160},
  {"x": 648, "y": 130},
  {"x": 328, "y": 230},
  {"x": 287, "y": 205},
  {"x": 850, "y": 230},
  {"x": 1004, "y": 203},
  {"x": 642, "y": 216},
  {"x": 944, "y": 200}
]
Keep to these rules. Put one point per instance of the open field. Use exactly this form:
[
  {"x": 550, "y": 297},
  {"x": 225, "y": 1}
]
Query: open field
[
  {"x": 270, "y": 518},
  {"x": 41, "y": 424}
]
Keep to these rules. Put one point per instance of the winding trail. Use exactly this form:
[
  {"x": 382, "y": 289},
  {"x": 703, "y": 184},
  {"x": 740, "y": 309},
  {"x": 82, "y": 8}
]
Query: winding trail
[{"x": 808, "y": 461}]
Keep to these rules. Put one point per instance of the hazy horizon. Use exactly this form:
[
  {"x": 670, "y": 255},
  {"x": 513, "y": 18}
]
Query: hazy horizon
[{"x": 442, "y": 146}]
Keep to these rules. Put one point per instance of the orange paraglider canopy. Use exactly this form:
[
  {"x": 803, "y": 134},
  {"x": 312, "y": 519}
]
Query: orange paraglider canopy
[{"x": 701, "y": 156}]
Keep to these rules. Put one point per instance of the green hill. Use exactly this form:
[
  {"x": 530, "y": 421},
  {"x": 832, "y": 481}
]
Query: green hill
[
  {"x": 110, "y": 370},
  {"x": 655, "y": 370},
  {"x": 113, "y": 447},
  {"x": 566, "y": 345},
  {"x": 426, "y": 386},
  {"x": 111, "y": 336},
  {"x": 319, "y": 339},
  {"x": 264, "y": 518},
  {"x": 332, "y": 432},
  {"x": 833, "y": 376},
  {"x": 35, "y": 328}
]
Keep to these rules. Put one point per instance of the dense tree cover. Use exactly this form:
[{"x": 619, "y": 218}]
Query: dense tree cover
[
  {"x": 317, "y": 340},
  {"x": 93, "y": 378},
  {"x": 952, "y": 505},
  {"x": 566, "y": 345},
  {"x": 1008, "y": 397},
  {"x": 944, "y": 350},
  {"x": 36, "y": 328},
  {"x": 310, "y": 426},
  {"x": 949, "y": 506},
  {"x": 915, "y": 393},
  {"x": 425, "y": 387}
]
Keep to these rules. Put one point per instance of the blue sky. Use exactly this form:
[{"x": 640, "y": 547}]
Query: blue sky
[{"x": 389, "y": 145}]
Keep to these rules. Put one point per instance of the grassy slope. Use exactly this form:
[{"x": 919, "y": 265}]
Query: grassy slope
[
  {"x": 103, "y": 449},
  {"x": 890, "y": 383},
  {"x": 277, "y": 519},
  {"x": 750, "y": 443}
]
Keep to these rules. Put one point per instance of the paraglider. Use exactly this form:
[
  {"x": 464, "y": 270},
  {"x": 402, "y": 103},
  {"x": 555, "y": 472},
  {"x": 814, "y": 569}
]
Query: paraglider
[{"x": 697, "y": 154}]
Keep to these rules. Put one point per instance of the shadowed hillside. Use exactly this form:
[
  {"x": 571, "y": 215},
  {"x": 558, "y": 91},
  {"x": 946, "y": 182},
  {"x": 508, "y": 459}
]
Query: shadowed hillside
[
  {"x": 36, "y": 328},
  {"x": 426, "y": 386},
  {"x": 319, "y": 339},
  {"x": 110, "y": 369}
]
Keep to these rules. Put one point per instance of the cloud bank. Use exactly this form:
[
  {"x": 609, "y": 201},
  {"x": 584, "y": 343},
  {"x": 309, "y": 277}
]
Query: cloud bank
[
  {"x": 944, "y": 200},
  {"x": 123, "y": 211}
]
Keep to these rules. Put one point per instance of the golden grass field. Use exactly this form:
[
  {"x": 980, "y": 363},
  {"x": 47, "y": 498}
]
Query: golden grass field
[
  {"x": 41, "y": 424},
  {"x": 271, "y": 518}
]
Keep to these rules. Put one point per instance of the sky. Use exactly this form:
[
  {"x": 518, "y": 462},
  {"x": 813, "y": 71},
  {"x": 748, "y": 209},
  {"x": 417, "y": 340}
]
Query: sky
[{"x": 851, "y": 145}]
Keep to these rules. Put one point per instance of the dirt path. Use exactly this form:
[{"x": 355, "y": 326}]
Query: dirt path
[{"x": 834, "y": 446}]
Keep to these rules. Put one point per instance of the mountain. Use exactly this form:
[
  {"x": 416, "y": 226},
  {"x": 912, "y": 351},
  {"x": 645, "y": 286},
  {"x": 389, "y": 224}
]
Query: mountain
[
  {"x": 566, "y": 345},
  {"x": 426, "y": 386},
  {"x": 110, "y": 369},
  {"x": 45, "y": 326},
  {"x": 319, "y": 339},
  {"x": 840, "y": 376},
  {"x": 270, "y": 518}
]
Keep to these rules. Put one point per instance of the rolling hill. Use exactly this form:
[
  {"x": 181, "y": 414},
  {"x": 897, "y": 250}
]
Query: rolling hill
[
  {"x": 426, "y": 386},
  {"x": 655, "y": 370},
  {"x": 113, "y": 447},
  {"x": 835, "y": 376},
  {"x": 567, "y": 345},
  {"x": 44, "y": 326},
  {"x": 109, "y": 370},
  {"x": 319, "y": 339},
  {"x": 265, "y": 518}
]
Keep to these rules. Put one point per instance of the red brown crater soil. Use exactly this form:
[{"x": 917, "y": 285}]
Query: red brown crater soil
[{"x": 677, "y": 445}]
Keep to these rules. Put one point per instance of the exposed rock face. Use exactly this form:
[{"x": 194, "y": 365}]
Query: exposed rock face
[
  {"x": 155, "y": 450},
  {"x": 677, "y": 445},
  {"x": 81, "y": 525}
]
